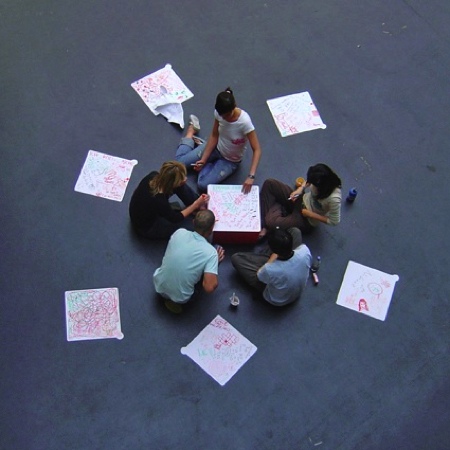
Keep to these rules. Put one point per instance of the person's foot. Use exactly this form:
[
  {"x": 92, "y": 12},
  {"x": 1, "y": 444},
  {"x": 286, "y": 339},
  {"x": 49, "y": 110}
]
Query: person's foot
[
  {"x": 173, "y": 307},
  {"x": 193, "y": 120}
]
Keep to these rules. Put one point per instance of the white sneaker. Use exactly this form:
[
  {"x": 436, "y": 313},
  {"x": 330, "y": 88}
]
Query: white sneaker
[{"x": 193, "y": 120}]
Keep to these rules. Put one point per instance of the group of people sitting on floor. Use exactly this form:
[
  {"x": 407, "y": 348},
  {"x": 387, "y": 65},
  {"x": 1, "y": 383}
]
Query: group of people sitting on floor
[{"x": 280, "y": 271}]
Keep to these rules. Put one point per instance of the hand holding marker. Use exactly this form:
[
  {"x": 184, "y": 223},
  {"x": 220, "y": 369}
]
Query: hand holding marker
[
  {"x": 198, "y": 165},
  {"x": 299, "y": 183}
]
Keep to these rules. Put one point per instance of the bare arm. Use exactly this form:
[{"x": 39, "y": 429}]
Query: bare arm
[
  {"x": 313, "y": 215},
  {"x": 273, "y": 257},
  {"x": 254, "y": 143},
  {"x": 210, "y": 282},
  {"x": 201, "y": 201},
  {"x": 298, "y": 192}
]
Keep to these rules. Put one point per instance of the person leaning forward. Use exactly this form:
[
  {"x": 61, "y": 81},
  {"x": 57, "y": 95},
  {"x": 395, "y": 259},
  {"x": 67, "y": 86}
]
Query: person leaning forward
[{"x": 189, "y": 259}]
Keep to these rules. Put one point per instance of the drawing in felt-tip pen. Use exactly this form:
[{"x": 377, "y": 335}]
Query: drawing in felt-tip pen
[
  {"x": 197, "y": 164},
  {"x": 294, "y": 196}
]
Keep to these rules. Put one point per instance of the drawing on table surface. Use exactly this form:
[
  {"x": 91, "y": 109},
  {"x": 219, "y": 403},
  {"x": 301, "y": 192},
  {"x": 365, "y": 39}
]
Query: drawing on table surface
[
  {"x": 234, "y": 210},
  {"x": 163, "y": 92},
  {"x": 367, "y": 290},
  {"x": 220, "y": 350},
  {"x": 105, "y": 176},
  {"x": 93, "y": 314},
  {"x": 295, "y": 113}
]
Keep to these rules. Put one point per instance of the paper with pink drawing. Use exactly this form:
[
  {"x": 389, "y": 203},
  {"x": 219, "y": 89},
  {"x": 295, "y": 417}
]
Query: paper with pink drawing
[
  {"x": 163, "y": 92},
  {"x": 93, "y": 314},
  {"x": 367, "y": 290},
  {"x": 105, "y": 176},
  {"x": 234, "y": 210},
  {"x": 220, "y": 350},
  {"x": 295, "y": 113}
]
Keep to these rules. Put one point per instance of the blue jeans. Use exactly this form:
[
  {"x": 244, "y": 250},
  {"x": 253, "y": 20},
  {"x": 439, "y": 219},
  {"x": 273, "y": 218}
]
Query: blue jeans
[{"x": 215, "y": 170}]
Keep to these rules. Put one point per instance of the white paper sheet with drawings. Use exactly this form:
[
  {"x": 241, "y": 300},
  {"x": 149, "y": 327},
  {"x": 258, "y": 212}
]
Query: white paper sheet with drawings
[
  {"x": 93, "y": 314},
  {"x": 220, "y": 350},
  {"x": 163, "y": 92},
  {"x": 234, "y": 210},
  {"x": 105, "y": 176},
  {"x": 367, "y": 290},
  {"x": 295, "y": 113}
]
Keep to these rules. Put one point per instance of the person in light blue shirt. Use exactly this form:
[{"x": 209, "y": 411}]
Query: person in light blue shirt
[
  {"x": 281, "y": 274},
  {"x": 189, "y": 259}
]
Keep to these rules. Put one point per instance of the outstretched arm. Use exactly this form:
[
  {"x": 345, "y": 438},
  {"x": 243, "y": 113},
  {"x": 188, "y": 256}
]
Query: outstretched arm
[
  {"x": 202, "y": 201},
  {"x": 254, "y": 143}
]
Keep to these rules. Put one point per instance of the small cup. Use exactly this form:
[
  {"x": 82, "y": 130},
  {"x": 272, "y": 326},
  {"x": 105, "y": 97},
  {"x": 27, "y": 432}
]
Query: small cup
[
  {"x": 234, "y": 300},
  {"x": 300, "y": 181}
]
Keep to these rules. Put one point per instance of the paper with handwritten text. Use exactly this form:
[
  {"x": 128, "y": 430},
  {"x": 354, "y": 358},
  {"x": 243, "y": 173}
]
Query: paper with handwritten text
[
  {"x": 105, "y": 176},
  {"x": 367, "y": 290},
  {"x": 234, "y": 210},
  {"x": 295, "y": 113},
  {"x": 163, "y": 92},
  {"x": 220, "y": 350},
  {"x": 93, "y": 314}
]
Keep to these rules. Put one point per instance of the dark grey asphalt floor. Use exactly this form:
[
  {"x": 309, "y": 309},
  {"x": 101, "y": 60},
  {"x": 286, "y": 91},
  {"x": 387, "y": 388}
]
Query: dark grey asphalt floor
[{"x": 324, "y": 377}]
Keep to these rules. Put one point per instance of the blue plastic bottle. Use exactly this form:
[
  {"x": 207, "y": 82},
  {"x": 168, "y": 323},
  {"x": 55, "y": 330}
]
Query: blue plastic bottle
[{"x": 352, "y": 193}]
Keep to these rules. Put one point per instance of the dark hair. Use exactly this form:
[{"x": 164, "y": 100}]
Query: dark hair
[
  {"x": 204, "y": 220},
  {"x": 280, "y": 242},
  {"x": 225, "y": 102},
  {"x": 324, "y": 179}
]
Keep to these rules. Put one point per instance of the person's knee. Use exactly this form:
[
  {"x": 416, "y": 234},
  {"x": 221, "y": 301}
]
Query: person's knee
[
  {"x": 235, "y": 259},
  {"x": 268, "y": 183},
  {"x": 202, "y": 185}
]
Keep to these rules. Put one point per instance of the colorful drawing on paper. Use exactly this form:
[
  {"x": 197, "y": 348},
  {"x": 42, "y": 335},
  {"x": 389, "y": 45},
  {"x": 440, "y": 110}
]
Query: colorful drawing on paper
[
  {"x": 295, "y": 113},
  {"x": 367, "y": 290},
  {"x": 93, "y": 314},
  {"x": 105, "y": 176},
  {"x": 233, "y": 209},
  {"x": 163, "y": 92},
  {"x": 220, "y": 350}
]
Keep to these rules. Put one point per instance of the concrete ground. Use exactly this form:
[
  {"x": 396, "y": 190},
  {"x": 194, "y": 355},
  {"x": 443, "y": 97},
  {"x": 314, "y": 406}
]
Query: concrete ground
[{"x": 323, "y": 377}]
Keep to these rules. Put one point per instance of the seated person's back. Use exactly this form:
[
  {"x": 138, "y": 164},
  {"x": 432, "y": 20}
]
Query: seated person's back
[{"x": 286, "y": 278}]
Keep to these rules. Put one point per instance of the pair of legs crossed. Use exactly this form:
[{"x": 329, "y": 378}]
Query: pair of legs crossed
[
  {"x": 216, "y": 170},
  {"x": 247, "y": 264},
  {"x": 278, "y": 211}
]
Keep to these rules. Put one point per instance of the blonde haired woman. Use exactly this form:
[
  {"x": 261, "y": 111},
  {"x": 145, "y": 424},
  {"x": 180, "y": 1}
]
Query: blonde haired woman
[{"x": 151, "y": 213}]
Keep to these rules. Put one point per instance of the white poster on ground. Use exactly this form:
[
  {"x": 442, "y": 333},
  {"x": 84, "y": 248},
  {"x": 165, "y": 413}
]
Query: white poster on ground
[
  {"x": 105, "y": 176},
  {"x": 295, "y": 113},
  {"x": 366, "y": 290},
  {"x": 220, "y": 350},
  {"x": 163, "y": 92}
]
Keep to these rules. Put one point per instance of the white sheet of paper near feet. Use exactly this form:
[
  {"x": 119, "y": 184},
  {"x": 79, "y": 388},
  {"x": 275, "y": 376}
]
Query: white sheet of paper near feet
[{"x": 163, "y": 92}]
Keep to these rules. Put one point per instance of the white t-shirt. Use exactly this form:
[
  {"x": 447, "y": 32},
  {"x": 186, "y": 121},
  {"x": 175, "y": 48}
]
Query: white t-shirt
[{"x": 233, "y": 136}]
